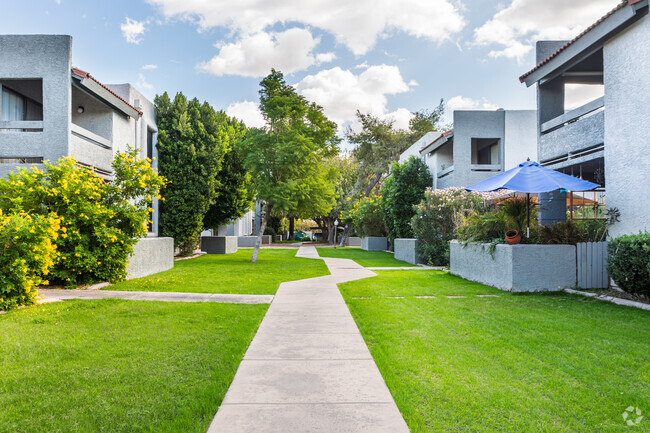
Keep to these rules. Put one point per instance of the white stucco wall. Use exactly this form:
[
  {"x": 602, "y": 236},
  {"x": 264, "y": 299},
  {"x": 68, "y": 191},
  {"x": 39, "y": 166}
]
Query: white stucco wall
[
  {"x": 414, "y": 149},
  {"x": 520, "y": 137},
  {"x": 627, "y": 126},
  {"x": 47, "y": 57}
]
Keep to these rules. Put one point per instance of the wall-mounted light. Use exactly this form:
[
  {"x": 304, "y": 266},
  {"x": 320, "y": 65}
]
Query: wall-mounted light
[{"x": 80, "y": 109}]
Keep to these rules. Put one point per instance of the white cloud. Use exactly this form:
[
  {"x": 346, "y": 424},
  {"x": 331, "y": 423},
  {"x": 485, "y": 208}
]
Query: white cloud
[
  {"x": 248, "y": 112},
  {"x": 341, "y": 92},
  {"x": 325, "y": 57},
  {"x": 355, "y": 24},
  {"x": 255, "y": 55},
  {"x": 149, "y": 67},
  {"x": 464, "y": 103},
  {"x": 400, "y": 118},
  {"x": 577, "y": 95},
  {"x": 515, "y": 28},
  {"x": 132, "y": 30},
  {"x": 142, "y": 83}
]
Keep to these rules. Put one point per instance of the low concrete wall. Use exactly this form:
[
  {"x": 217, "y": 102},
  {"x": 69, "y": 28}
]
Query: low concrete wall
[
  {"x": 219, "y": 244},
  {"x": 372, "y": 243},
  {"x": 405, "y": 250},
  {"x": 246, "y": 241},
  {"x": 249, "y": 241},
  {"x": 516, "y": 268},
  {"x": 353, "y": 241},
  {"x": 151, "y": 255}
]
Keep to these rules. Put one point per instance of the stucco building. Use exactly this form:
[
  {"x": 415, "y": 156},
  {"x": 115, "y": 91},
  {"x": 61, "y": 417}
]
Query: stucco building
[
  {"x": 605, "y": 140},
  {"x": 51, "y": 109},
  {"x": 482, "y": 143}
]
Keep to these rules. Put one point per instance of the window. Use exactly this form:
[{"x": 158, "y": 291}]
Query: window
[
  {"x": 485, "y": 151},
  {"x": 22, "y": 100}
]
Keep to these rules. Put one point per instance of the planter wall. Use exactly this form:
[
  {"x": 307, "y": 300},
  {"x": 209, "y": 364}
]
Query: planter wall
[
  {"x": 353, "y": 241},
  {"x": 516, "y": 268},
  {"x": 405, "y": 250},
  {"x": 372, "y": 243},
  {"x": 151, "y": 255},
  {"x": 219, "y": 244},
  {"x": 249, "y": 241}
]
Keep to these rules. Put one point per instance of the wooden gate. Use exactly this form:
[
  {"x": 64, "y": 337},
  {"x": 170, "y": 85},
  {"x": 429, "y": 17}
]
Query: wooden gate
[{"x": 591, "y": 261}]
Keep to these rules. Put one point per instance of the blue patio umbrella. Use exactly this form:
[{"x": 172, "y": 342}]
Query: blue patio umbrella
[{"x": 530, "y": 177}]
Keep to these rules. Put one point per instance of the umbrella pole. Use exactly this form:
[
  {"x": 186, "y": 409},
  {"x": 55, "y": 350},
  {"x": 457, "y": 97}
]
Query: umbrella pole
[{"x": 528, "y": 215}]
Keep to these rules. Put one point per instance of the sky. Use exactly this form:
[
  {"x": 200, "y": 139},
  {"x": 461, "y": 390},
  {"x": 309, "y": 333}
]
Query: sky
[{"x": 385, "y": 57}]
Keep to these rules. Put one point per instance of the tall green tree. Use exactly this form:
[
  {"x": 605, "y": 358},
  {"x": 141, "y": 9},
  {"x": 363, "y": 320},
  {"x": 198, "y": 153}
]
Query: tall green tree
[
  {"x": 379, "y": 144},
  {"x": 191, "y": 145},
  {"x": 235, "y": 191},
  {"x": 287, "y": 156},
  {"x": 401, "y": 192}
]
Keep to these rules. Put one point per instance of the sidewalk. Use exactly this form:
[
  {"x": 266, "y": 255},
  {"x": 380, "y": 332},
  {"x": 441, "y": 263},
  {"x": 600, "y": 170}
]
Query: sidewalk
[
  {"x": 55, "y": 295},
  {"x": 308, "y": 368}
]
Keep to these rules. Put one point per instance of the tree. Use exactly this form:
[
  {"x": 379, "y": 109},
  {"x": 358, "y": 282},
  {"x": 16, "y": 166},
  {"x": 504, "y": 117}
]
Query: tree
[
  {"x": 235, "y": 192},
  {"x": 401, "y": 192},
  {"x": 286, "y": 157},
  {"x": 192, "y": 142},
  {"x": 378, "y": 145}
]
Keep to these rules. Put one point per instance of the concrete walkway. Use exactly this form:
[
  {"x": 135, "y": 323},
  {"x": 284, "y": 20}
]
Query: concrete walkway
[
  {"x": 308, "y": 368},
  {"x": 54, "y": 295}
]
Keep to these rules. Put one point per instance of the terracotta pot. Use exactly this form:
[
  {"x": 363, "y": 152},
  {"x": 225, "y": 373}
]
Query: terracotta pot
[{"x": 513, "y": 237}]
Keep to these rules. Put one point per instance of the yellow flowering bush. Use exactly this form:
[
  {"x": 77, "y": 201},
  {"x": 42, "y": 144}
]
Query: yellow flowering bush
[
  {"x": 367, "y": 216},
  {"x": 100, "y": 221},
  {"x": 27, "y": 252}
]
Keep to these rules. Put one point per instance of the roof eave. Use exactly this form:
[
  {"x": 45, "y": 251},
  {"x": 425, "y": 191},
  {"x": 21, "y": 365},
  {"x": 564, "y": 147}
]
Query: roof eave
[
  {"x": 435, "y": 144},
  {"x": 587, "y": 44},
  {"x": 106, "y": 96}
]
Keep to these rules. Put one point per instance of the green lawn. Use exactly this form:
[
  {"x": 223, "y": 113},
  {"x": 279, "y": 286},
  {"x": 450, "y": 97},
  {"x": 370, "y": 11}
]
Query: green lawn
[
  {"x": 514, "y": 363},
  {"x": 120, "y": 366},
  {"x": 362, "y": 257},
  {"x": 230, "y": 273}
]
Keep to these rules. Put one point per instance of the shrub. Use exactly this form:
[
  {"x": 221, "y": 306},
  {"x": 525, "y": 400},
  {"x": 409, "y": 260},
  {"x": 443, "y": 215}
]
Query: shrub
[
  {"x": 437, "y": 218},
  {"x": 27, "y": 252},
  {"x": 100, "y": 222},
  {"x": 571, "y": 232},
  {"x": 491, "y": 226},
  {"x": 402, "y": 191},
  {"x": 368, "y": 217},
  {"x": 629, "y": 262}
]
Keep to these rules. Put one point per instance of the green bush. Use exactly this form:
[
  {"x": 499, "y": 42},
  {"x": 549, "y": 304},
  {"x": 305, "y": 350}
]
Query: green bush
[
  {"x": 629, "y": 262},
  {"x": 402, "y": 191},
  {"x": 367, "y": 216},
  {"x": 437, "y": 218},
  {"x": 27, "y": 252},
  {"x": 100, "y": 222},
  {"x": 571, "y": 232},
  {"x": 491, "y": 226}
]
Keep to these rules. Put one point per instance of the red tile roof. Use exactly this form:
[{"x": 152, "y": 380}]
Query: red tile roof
[
  {"x": 444, "y": 134},
  {"x": 621, "y": 5},
  {"x": 83, "y": 74}
]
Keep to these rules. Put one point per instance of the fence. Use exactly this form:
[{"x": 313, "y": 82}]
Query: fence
[{"x": 591, "y": 261}]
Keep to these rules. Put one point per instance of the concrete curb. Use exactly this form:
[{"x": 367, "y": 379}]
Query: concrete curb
[{"x": 617, "y": 301}]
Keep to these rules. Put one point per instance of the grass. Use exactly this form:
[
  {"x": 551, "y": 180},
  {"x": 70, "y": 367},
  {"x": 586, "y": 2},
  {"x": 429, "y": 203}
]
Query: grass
[
  {"x": 120, "y": 366},
  {"x": 514, "y": 363},
  {"x": 362, "y": 257},
  {"x": 230, "y": 273}
]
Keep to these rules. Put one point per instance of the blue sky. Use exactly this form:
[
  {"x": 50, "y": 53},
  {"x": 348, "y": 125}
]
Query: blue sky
[{"x": 383, "y": 56}]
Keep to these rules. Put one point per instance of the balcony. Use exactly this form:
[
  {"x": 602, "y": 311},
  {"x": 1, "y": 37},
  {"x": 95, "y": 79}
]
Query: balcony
[
  {"x": 445, "y": 178},
  {"x": 487, "y": 167},
  {"x": 91, "y": 149},
  {"x": 573, "y": 135},
  {"x": 21, "y": 126}
]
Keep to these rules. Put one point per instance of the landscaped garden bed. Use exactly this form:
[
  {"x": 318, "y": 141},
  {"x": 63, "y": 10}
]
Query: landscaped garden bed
[
  {"x": 506, "y": 362},
  {"x": 120, "y": 366}
]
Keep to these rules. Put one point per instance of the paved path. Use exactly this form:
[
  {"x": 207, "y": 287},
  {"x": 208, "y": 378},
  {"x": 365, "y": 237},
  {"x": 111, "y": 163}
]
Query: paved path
[
  {"x": 308, "y": 368},
  {"x": 54, "y": 295}
]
